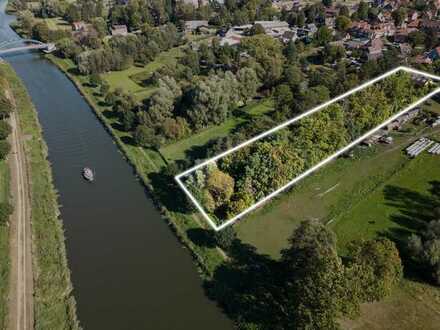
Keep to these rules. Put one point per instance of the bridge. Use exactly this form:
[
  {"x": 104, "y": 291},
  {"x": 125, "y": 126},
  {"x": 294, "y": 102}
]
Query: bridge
[{"x": 17, "y": 45}]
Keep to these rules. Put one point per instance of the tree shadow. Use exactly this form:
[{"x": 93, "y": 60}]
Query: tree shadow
[
  {"x": 241, "y": 287},
  {"x": 128, "y": 139},
  {"x": 415, "y": 210},
  {"x": 168, "y": 192},
  {"x": 201, "y": 237}
]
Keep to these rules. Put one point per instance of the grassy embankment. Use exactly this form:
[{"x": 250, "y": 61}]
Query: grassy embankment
[
  {"x": 4, "y": 246},
  {"x": 53, "y": 301}
]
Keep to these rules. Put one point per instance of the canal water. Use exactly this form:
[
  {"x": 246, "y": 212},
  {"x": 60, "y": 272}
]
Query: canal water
[{"x": 128, "y": 269}]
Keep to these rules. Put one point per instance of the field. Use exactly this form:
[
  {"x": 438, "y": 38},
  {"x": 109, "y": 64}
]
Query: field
[
  {"x": 4, "y": 246},
  {"x": 378, "y": 192},
  {"x": 180, "y": 149},
  {"x": 133, "y": 80}
]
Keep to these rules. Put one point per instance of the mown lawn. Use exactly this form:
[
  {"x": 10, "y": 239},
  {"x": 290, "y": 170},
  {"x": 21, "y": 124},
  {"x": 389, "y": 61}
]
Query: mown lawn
[
  {"x": 180, "y": 149},
  {"x": 397, "y": 207},
  {"x": 4, "y": 247}
]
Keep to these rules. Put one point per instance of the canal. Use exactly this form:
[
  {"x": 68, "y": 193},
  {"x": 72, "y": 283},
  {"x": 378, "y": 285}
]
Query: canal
[{"x": 128, "y": 269}]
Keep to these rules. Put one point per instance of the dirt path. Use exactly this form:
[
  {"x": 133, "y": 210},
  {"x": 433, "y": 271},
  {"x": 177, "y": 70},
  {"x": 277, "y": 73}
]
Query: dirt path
[{"x": 21, "y": 276}]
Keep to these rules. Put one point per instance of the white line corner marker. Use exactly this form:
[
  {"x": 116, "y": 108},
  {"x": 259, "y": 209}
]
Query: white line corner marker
[{"x": 315, "y": 167}]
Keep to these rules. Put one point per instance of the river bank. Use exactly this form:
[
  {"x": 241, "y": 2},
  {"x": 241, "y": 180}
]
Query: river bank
[
  {"x": 54, "y": 304},
  {"x": 208, "y": 258}
]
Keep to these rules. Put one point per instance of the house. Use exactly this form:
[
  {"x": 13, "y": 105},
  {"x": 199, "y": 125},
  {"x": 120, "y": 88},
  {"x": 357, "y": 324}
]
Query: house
[
  {"x": 420, "y": 59},
  {"x": 231, "y": 40},
  {"x": 375, "y": 49},
  {"x": 191, "y": 26},
  {"x": 196, "y": 3},
  {"x": 79, "y": 26},
  {"x": 119, "y": 30},
  {"x": 271, "y": 25},
  {"x": 356, "y": 43},
  {"x": 401, "y": 35},
  {"x": 413, "y": 15},
  {"x": 432, "y": 25},
  {"x": 360, "y": 29}
]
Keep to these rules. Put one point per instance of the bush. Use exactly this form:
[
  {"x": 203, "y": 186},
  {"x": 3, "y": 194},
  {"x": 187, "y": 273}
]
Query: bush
[
  {"x": 225, "y": 238},
  {"x": 5, "y": 211},
  {"x": 5, "y": 130},
  {"x": 4, "y": 149}
]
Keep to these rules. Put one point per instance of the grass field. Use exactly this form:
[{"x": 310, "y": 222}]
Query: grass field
[
  {"x": 412, "y": 306},
  {"x": 133, "y": 79},
  {"x": 54, "y": 305},
  {"x": 397, "y": 207},
  {"x": 325, "y": 194},
  {"x": 4, "y": 247},
  {"x": 180, "y": 149}
]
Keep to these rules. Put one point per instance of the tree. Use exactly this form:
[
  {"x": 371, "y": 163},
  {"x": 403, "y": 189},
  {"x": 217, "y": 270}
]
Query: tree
[
  {"x": 6, "y": 210},
  {"x": 256, "y": 29},
  {"x": 283, "y": 97},
  {"x": 327, "y": 3},
  {"x": 323, "y": 36},
  {"x": 95, "y": 80},
  {"x": 5, "y": 106},
  {"x": 225, "y": 237},
  {"x": 145, "y": 136},
  {"x": 362, "y": 11},
  {"x": 344, "y": 11},
  {"x": 5, "y": 147},
  {"x": 5, "y": 129},
  {"x": 425, "y": 248},
  {"x": 342, "y": 23},
  {"x": 314, "y": 274},
  {"x": 375, "y": 268},
  {"x": 105, "y": 87},
  {"x": 248, "y": 83},
  {"x": 220, "y": 186}
]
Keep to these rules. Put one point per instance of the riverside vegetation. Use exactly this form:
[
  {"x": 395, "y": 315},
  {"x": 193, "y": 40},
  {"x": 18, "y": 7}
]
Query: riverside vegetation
[{"x": 53, "y": 301}]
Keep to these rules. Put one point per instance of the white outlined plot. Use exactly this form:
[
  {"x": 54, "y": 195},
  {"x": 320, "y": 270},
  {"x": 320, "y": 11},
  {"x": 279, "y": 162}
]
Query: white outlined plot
[{"x": 315, "y": 167}]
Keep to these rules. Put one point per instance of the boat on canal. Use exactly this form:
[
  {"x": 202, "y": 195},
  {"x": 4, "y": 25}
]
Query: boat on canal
[{"x": 88, "y": 174}]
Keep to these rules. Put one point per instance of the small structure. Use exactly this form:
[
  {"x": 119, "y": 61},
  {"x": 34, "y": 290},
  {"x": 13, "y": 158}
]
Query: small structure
[
  {"x": 119, "y": 30},
  {"x": 417, "y": 147},
  {"x": 191, "y": 26}
]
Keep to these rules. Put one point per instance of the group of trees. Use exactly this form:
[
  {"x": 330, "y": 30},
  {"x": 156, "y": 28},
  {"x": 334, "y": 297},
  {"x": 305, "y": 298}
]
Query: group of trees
[
  {"x": 5, "y": 129},
  {"x": 123, "y": 51},
  {"x": 172, "y": 112},
  {"x": 311, "y": 286},
  {"x": 267, "y": 164},
  {"x": 425, "y": 249}
]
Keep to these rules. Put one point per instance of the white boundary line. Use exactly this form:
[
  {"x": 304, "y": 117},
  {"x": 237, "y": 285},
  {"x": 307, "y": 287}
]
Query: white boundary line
[{"x": 315, "y": 167}]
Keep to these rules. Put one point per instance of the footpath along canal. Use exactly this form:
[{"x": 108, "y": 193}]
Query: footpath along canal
[{"x": 128, "y": 269}]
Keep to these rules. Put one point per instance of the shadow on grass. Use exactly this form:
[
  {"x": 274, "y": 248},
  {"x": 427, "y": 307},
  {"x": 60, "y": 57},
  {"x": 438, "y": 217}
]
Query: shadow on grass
[
  {"x": 242, "y": 289},
  {"x": 168, "y": 192},
  {"x": 201, "y": 237},
  {"x": 415, "y": 210}
]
